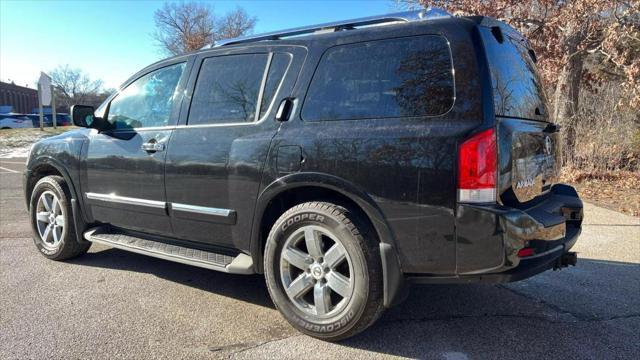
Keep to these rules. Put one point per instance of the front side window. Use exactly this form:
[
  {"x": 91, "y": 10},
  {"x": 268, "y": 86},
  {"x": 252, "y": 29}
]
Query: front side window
[
  {"x": 404, "y": 77},
  {"x": 148, "y": 101}
]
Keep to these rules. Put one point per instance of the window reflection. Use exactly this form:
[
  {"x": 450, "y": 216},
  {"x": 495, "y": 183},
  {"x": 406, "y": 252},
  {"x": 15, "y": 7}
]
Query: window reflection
[
  {"x": 517, "y": 88},
  {"x": 147, "y": 101},
  {"x": 277, "y": 69},
  {"x": 386, "y": 78},
  {"x": 227, "y": 89}
]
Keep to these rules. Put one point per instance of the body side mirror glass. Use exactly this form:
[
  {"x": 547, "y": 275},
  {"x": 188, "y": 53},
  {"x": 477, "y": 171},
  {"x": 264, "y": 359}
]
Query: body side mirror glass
[{"x": 82, "y": 116}]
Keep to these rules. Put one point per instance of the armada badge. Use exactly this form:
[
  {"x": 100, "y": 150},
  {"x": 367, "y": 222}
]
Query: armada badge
[{"x": 524, "y": 183}]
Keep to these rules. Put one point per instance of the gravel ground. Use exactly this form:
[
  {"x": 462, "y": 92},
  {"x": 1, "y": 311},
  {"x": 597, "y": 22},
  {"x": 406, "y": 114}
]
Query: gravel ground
[{"x": 114, "y": 304}]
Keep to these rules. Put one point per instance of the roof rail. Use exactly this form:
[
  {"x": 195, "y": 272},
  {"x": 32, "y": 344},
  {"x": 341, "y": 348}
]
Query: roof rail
[{"x": 406, "y": 16}]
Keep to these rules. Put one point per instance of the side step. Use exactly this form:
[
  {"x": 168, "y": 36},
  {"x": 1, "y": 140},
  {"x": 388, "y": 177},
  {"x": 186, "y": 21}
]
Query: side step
[{"x": 240, "y": 264}]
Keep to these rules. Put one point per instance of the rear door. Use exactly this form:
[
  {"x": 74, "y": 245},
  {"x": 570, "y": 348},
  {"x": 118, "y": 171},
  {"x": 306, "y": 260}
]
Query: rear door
[
  {"x": 124, "y": 166},
  {"x": 529, "y": 145},
  {"x": 216, "y": 156}
]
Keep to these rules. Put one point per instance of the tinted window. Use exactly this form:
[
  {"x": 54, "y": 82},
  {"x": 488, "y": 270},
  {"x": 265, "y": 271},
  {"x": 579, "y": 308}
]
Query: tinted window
[
  {"x": 516, "y": 87},
  {"x": 277, "y": 68},
  {"x": 148, "y": 101},
  {"x": 385, "y": 78},
  {"x": 227, "y": 89}
]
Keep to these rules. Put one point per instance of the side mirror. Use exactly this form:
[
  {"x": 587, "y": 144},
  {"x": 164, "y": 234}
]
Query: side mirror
[{"x": 82, "y": 115}]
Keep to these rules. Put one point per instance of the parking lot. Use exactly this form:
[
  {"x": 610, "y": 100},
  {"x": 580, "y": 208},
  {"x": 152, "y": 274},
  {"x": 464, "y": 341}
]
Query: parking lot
[{"x": 114, "y": 304}]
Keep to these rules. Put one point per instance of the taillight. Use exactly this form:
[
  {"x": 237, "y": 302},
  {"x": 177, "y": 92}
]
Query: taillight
[{"x": 477, "y": 168}]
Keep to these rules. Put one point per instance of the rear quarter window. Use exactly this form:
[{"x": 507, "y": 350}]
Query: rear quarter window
[{"x": 401, "y": 77}]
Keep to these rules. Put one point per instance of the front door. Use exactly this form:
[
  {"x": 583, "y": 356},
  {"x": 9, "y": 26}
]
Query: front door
[
  {"x": 216, "y": 156},
  {"x": 124, "y": 166}
]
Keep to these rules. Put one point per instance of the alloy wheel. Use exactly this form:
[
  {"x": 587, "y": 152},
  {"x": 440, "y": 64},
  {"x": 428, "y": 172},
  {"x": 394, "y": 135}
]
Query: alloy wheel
[
  {"x": 50, "y": 220},
  {"x": 316, "y": 272}
]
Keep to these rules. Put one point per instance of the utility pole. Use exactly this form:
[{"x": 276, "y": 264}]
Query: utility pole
[
  {"x": 53, "y": 108},
  {"x": 40, "y": 107}
]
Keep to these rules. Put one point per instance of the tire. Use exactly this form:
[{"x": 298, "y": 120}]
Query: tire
[
  {"x": 50, "y": 208},
  {"x": 339, "y": 292}
]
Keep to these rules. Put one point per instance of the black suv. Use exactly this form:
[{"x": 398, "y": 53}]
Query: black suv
[{"x": 344, "y": 161}]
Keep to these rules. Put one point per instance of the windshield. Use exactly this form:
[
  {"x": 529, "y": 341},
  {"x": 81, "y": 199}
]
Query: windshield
[{"x": 517, "y": 88}]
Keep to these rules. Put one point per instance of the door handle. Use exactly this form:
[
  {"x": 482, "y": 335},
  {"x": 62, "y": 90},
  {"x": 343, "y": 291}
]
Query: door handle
[{"x": 153, "y": 146}]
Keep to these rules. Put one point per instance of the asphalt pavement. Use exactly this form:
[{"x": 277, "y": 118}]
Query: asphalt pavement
[{"x": 113, "y": 304}]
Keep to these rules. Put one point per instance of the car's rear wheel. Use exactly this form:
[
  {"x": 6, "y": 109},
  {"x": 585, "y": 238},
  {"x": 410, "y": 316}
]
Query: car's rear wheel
[
  {"x": 323, "y": 270},
  {"x": 52, "y": 220}
]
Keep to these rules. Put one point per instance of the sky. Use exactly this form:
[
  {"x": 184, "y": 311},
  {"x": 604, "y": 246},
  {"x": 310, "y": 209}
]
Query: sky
[{"x": 111, "y": 40}]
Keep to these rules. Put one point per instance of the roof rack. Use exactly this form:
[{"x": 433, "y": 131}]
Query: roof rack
[{"x": 406, "y": 16}]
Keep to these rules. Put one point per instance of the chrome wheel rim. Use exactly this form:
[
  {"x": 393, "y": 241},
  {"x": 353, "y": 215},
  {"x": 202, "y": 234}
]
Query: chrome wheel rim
[
  {"x": 50, "y": 220},
  {"x": 316, "y": 272}
]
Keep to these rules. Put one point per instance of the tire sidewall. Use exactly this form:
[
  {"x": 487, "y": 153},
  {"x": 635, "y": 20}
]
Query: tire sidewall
[
  {"x": 48, "y": 184},
  {"x": 349, "y": 316}
]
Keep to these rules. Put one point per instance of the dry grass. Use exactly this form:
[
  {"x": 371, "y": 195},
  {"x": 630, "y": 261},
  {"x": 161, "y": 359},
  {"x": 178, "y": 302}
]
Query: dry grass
[
  {"x": 605, "y": 164},
  {"x": 607, "y": 136},
  {"x": 616, "y": 190}
]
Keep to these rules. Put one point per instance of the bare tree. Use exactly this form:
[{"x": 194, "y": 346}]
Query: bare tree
[
  {"x": 569, "y": 35},
  {"x": 73, "y": 86},
  {"x": 185, "y": 27},
  {"x": 234, "y": 24}
]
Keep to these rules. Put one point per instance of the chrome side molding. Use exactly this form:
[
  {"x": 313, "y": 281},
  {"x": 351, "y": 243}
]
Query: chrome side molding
[
  {"x": 202, "y": 210},
  {"x": 226, "y": 215},
  {"x": 126, "y": 200}
]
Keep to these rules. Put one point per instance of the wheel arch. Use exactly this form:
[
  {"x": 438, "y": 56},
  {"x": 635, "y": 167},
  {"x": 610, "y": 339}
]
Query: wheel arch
[
  {"x": 293, "y": 189},
  {"x": 42, "y": 167},
  {"x": 46, "y": 166}
]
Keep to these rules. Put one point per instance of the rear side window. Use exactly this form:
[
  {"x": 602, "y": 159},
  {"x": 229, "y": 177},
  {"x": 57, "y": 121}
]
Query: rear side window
[
  {"x": 227, "y": 89},
  {"x": 404, "y": 77},
  {"x": 278, "y": 67}
]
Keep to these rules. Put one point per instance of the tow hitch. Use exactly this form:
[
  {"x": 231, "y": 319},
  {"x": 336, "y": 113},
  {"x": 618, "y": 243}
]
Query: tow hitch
[{"x": 569, "y": 258}]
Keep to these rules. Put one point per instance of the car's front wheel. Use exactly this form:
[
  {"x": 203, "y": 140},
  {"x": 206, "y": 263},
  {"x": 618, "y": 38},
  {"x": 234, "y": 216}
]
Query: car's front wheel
[
  {"x": 323, "y": 270},
  {"x": 52, "y": 220}
]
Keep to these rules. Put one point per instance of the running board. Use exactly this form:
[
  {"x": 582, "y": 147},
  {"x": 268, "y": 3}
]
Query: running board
[{"x": 240, "y": 264}]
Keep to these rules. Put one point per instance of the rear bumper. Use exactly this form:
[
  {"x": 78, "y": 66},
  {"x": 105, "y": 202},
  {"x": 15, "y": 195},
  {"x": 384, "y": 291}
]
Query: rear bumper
[
  {"x": 526, "y": 268},
  {"x": 489, "y": 238}
]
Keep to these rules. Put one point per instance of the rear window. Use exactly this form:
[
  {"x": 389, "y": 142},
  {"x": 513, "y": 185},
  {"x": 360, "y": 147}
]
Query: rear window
[
  {"x": 402, "y": 77},
  {"x": 517, "y": 89}
]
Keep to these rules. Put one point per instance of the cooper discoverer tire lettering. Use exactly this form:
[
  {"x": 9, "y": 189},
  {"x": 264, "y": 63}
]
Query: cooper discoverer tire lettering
[{"x": 323, "y": 270}]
